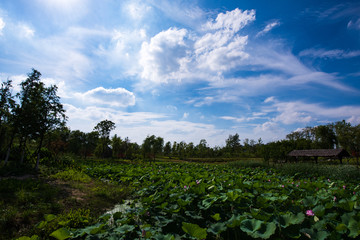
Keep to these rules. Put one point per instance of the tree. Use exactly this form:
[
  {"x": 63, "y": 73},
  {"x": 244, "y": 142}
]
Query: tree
[
  {"x": 39, "y": 111},
  {"x": 325, "y": 137},
  {"x": 349, "y": 138},
  {"x": 167, "y": 149},
  {"x": 151, "y": 146},
  {"x": 7, "y": 105},
  {"x": 233, "y": 143},
  {"x": 117, "y": 147},
  {"x": 202, "y": 148},
  {"x": 104, "y": 128}
]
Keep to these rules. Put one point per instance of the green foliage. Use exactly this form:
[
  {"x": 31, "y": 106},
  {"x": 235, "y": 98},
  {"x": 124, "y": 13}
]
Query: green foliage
[
  {"x": 194, "y": 230},
  {"x": 21, "y": 203},
  {"x": 59, "y": 226},
  {"x": 197, "y": 201},
  {"x": 72, "y": 175}
]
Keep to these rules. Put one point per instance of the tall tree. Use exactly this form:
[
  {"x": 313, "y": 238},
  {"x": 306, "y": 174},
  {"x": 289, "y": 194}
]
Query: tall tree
[
  {"x": 7, "y": 105},
  {"x": 39, "y": 111},
  {"x": 151, "y": 146},
  {"x": 233, "y": 143},
  {"x": 325, "y": 137},
  {"x": 104, "y": 128},
  {"x": 349, "y": 137},
  {"x": 167, "y": 149}
]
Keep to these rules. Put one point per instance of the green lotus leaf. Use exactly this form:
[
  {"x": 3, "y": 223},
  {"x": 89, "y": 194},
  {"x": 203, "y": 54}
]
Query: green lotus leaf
[
  {"x": 257, "y": 228},
  {"x": 61, "y": 234},
  {"x": 194, "y": 230},
  {"x": 217, "y": 228}
]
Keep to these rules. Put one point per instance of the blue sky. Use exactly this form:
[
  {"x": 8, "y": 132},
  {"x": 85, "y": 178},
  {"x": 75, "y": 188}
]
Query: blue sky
[{"x": 190, "y": 70}]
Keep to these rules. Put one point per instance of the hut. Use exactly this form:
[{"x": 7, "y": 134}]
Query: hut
[{"x": 316, "y": 153}]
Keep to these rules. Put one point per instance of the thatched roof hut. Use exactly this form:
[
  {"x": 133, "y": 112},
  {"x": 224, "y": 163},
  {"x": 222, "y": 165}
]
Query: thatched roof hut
[{"x": 330, "y": 153}]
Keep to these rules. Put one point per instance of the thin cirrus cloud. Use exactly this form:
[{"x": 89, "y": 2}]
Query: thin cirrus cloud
[
  {"x": 330, "y": 54},
  {"x": 300, "y": 112},
  {"x": 268, "y": 28}
]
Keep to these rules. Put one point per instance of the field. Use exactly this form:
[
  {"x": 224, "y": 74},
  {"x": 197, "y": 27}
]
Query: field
[{"x": 211, "y": 201}]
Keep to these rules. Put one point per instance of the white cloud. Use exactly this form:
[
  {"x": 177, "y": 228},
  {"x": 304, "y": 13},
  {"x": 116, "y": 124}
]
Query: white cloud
[
  {"x": 118, "y": 97},
  {"x": 300, "y": 112},
  {"x": 136, "y": 10},
  {"x": 25, "y": 31},
  {"x": 138, "y": 125},
  {"x": 354, "y": 24},
  {"x": 223, "y": 58},
  {"x": 270, "y": 131},
  {"x": 2, "y": 25},
  {"x": 163, "y": 57},
  {"x": 62, "y": 12},
  {"x": 231, "y": 21},
  {"x": 184, "y": 12},
  {"x": 176, "y": 54},
  {"x": 241, "y": 119},
  {"x": 269, "y": 99},
  {"x": 329, "y": 54},
  {"x": 268, "y": 28}
]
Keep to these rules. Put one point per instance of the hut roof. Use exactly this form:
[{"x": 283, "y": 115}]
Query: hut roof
[{"x": 319, "y": 153}]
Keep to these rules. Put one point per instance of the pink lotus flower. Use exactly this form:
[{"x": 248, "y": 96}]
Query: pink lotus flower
[{"x": 309, "y": 213}]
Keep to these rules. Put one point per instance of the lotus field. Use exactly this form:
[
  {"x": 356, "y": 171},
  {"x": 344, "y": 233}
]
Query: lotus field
[{"x": 193, "y": 201}]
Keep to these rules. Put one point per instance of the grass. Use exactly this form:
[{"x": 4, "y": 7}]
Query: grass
[
  {"x": 332, "y": 170},
  {"x": 27, "y": 197}
]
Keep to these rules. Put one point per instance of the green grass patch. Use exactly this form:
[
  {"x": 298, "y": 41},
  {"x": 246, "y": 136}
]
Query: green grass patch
[{"x": 72, "y": 175}]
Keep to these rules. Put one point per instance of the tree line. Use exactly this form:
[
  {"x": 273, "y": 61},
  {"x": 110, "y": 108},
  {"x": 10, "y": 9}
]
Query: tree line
[{"x": 33, "y": 127}]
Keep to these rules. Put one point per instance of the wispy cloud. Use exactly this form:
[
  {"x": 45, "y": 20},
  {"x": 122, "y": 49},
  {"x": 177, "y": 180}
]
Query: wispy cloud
[
  {"x": 354, "y": 24},
  {"x": 329, "y": 54},
  {"x": 300, "y": 112},
  {"x": 268, "y": 28},
  {"x": 184, "y": 12}
]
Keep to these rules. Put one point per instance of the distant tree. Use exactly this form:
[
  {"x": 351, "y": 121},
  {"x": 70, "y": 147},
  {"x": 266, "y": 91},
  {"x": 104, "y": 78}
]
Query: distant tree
[
  {"x": 202, "y": 148},
  {"x": 151, "y": 146},
  {"x": 91, "y": 141},
  {"x": 7, "y": 106},
  {"x": 167, "y": 149},
  {"x": 57, "y": 140},
  {"x": 174, "y": 148},
  {"x": 104, "y": 128},
  {"x": 117, "y": 147},
  {"x": 325, "y": 137},
  {"x": 349, "y": 138},
  {"x": 233, "y": 143}
]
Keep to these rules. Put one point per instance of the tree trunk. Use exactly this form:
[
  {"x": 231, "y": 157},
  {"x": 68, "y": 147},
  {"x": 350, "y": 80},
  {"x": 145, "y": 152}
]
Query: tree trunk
[
  {"x": 38, "y": 153},
  {"x": 9, "y": 148}
]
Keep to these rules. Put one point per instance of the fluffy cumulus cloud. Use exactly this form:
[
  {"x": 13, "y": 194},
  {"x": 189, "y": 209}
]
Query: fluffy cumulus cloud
[
  {"x": 231, "y": 21},
  {"x": 117, "y": 97},
  {"x": 177, "y": 54},
  {"x": 162, "y": 58},
  {"x": 209, "y": 55}
]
